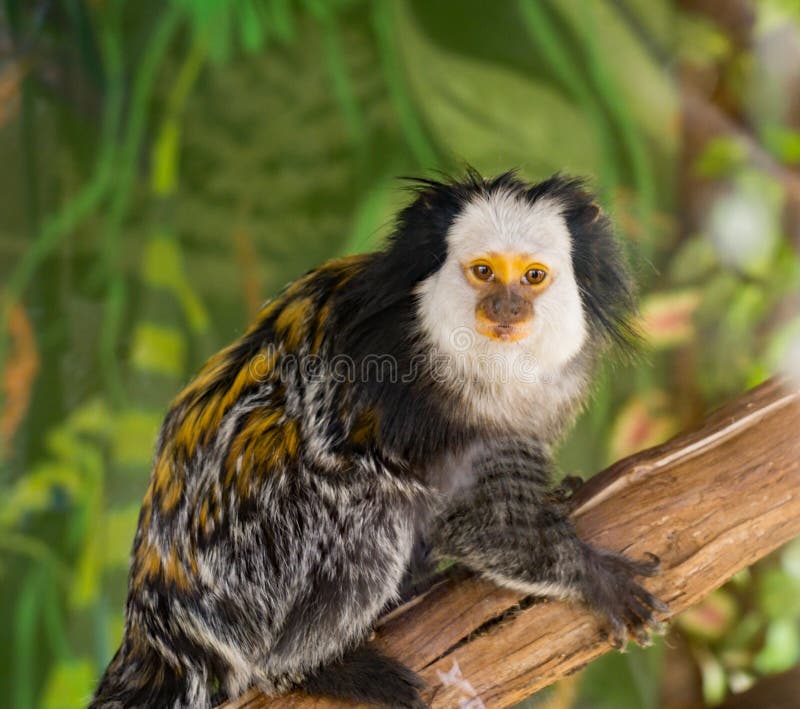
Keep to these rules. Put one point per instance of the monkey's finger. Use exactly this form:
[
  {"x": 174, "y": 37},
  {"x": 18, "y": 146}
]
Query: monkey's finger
[
  {"x": 645, "y": 617},
  {"x": 617, "y": 633},
  {"x": 650, "y": 600},
  {"x": 642, "y": 637},
  {"x": 649, "y": 567},
  {"x": 570, "y": 484}
]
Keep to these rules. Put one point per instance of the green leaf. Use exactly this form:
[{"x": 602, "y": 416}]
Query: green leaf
[
  {"x": 783, "y": 142},
  {"x": 158, "y": 349},
  {"x": 119, "y": 532},
  {"x": 85, "y": 454},
  {"x": 25, "y": 620},
  {"x": 779, "y": 594},
  {"x": 210, "y": 22},
  {"x": 134, "y": 436},
  {"x": 281, "y": 20},
  {"x": 92, "y": 417},
  {"x": 86, "y": 584},
  {"x": 490, "y": 116},
  {"x": 293, "y": 184},
  {"x": 781, "y": 647},
  {"x": 700, "y": 41},
  {"x": 774, "y": 15},
  {"x": 721, "y": 157},
  {"x": 250, "y": 29},
  {"x": 618, "y": 680},
  {"x": 373, "y": 217},
  {"x": 715, "y": 684},
  {"x": 162, "y": 267},
  {"x": 69, "y": 684},
  {"x": 785, "y": 276},
  {"x": 746, "y": 309},
  {"x": 165, "y": 167},
  {"x": 34, "y": 492},
  {"x": 115, "y": 629},
  {"x": 742, "y": 635},
  {"x": 694, "y": 259},
  {"x": 647, "y": 90}
]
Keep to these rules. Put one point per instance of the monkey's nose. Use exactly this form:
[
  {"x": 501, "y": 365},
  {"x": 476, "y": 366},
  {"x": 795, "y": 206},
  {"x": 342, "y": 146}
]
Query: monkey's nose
[
  {"x": 503, "y": 306},
  {"x": 507, "y": 308}
]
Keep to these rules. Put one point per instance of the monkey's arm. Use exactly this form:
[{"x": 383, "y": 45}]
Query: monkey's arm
[{"x": 510, "y": 526}]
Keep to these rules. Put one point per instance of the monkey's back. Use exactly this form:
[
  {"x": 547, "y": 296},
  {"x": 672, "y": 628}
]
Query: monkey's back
[{"x": 252, "y": 558}]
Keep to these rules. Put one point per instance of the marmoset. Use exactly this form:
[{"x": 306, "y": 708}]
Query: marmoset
[{"x": 412, "y": 393}]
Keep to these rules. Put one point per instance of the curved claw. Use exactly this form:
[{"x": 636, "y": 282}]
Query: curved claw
[
  {"x": 653, "y": 558},
  {"x": 649, "y": 567},
  {"x": 571, "y": 483},
  {"x": 640, "y": 611},
  {"x": 642, "y": 637},
  {"x": 566, "y": 489},
  {"x": 617, "y": 636}
]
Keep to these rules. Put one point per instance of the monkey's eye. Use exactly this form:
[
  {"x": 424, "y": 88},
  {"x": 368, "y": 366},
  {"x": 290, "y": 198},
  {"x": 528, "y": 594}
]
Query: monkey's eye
[
  {"x": 482, "y": 272},
  {"x": 534, "y": 276}
]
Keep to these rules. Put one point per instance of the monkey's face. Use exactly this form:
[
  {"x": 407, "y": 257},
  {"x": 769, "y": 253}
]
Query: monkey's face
[
  {"x": 507, "y": 282},
  {"x": 506, "y": 285}
]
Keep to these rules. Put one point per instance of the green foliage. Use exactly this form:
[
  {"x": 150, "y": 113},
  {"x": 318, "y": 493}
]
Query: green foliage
[
  {"x": 69, "y": 684},
  {"x": 474, "y": 110},
  {"x": 622, "y": 680},
  {"x": 195, "y": 155}
]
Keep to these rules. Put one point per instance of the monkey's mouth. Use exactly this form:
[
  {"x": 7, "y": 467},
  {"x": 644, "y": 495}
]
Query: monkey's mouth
[{"x": 504, "y": 331}]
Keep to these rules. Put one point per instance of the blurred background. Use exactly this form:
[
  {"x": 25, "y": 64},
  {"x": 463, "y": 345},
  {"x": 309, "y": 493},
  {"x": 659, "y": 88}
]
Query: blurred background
[{"x": 170, "y": 164}]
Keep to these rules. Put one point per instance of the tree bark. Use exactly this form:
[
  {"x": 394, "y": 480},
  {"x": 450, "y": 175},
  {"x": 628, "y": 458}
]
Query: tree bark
[{"x": 708, "y": 503}]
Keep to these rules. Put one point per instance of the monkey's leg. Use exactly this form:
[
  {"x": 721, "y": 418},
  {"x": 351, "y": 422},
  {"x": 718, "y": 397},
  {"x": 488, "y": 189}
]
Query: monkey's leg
[
  {"x": 345, "y": 556},
  {"x": 511, "y": 528}
]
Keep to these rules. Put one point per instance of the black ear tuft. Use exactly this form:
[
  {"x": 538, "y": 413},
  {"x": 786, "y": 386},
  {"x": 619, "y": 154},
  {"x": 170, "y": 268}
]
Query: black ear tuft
[
  {"x": 599, "y": 263},
  {"x": 601, "y": 270},
  {"x": 378, "y": 309}
]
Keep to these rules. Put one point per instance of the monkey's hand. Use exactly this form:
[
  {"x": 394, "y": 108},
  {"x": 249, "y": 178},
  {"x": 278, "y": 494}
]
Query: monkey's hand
[
  {"x": 607, "y": 585},
  {"x": 511, "y": 527}
]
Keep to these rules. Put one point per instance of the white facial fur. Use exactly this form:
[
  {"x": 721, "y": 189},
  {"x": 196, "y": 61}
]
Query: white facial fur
[{"x": 504, "y": 223}]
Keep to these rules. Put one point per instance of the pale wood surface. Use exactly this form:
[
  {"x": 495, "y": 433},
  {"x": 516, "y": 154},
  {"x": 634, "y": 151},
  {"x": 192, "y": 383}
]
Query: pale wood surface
[{"x": 708, "y": 503}]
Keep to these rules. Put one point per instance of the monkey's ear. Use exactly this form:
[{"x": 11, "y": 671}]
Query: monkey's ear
[{"x": 592, "y": 212}]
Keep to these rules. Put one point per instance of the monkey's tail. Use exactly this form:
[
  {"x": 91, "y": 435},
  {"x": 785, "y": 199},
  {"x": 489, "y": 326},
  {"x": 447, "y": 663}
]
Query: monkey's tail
[
  {"x": 366, "y": 676},
  {"x": 142, "y": 678}
]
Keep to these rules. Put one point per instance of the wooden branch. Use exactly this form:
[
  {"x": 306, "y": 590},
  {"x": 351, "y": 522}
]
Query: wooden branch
[{"x": 709, "y": 503}]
